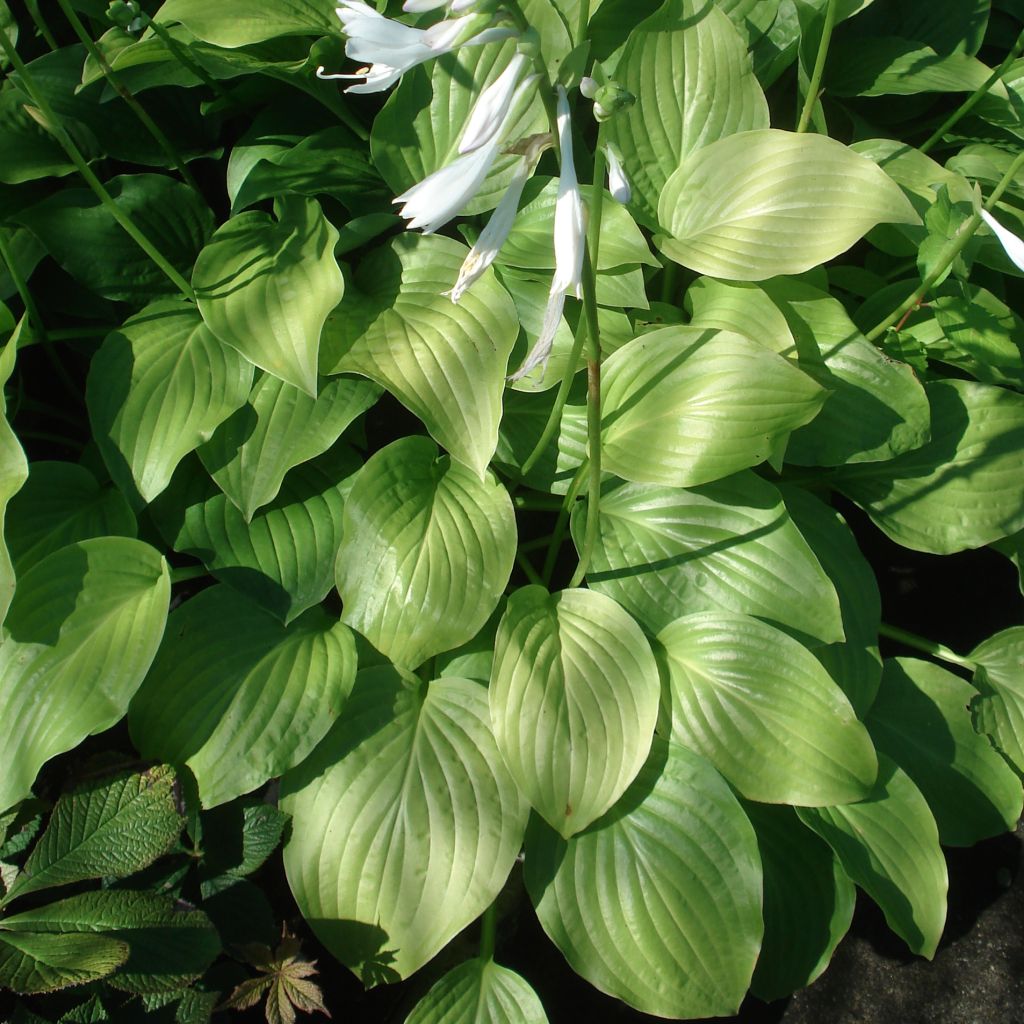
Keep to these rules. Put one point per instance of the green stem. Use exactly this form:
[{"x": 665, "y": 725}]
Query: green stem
[
  {"x": 182, "y": 56},
  {"x": 137, "y": 109},
  {"x": 582, "y": 21},
  {"x": 558, "y": 534},
  {"x": 74, "y": 333},
  {"x": 975, "y": 98},
  {"x": 528, "y": 570},
  {"x": 189, "y": 572},
  {"x": 542, "y": 504},
  {"x": 60, "y": 133},
  {"x": 488, "y": 932},
  {"x": 948, "y": 254},
  {"x": 669, "y": 276},
  {"x": 21, "y": 286},
  {"x": 925, "y": 645},
  {"x": 819, "y": 68},
  {"x": 40, "y": 22},
  {"x": 536, "y": 544}
]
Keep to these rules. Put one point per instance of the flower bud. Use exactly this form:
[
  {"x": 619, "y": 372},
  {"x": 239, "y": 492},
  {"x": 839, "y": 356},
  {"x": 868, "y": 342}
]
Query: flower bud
[{"x": 610, "y": 99}]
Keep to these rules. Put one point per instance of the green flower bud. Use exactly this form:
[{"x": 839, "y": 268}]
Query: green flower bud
[{"x": 610, "y": 99}]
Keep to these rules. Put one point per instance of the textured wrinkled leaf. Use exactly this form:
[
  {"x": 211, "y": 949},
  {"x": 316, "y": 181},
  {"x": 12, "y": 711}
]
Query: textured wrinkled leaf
[
  {"x": 81, "y": 633},
  {"x": 31, "y": 963},
  {"x": 688, "y": 68},
  {"x": 999, "y": 676},
  {"x": 659, "y": 902},
  {"x": 405, "y": 823},
  {"x": 157, "y": 389},
  {"x": 444, "y": 362},
  {"x": 266, "y": 286},
  {"x": 574, "y": 698},
  {"x": 770, "y": 202},
  {"x": 241, "y": 22},
  {"x": 428, "y": 549},
  {"x": 237, "y": 696},
  {"x": 683, "y": 406},
  {"x": 479, "y": 992},
  {"x": 889, "y": 845},
  {"x": 920, "y": 718}
]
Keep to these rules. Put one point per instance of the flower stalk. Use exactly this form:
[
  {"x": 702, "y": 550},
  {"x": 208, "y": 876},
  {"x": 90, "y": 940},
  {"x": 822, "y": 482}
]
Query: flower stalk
[{"x": 813, "y": 88}]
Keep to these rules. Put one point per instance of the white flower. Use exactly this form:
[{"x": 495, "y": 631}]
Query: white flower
[
  {"x": 1013, "y": 245},
  {"x": 618, "y": 184},
  {"x": 491, "y": 106}
]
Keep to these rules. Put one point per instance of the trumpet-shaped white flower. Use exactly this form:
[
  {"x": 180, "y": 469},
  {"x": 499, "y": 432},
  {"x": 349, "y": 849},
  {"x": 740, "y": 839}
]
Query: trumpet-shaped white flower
[
  {"x": 491, "y": 106},
  {"x": 1012, "y": 245},
  {"x": 618, "y": 183}
]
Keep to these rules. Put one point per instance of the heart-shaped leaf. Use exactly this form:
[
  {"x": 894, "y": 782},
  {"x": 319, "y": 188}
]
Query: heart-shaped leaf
[
  {"x": 999, "y": 676},
  {"x": 479, "y": 992}
]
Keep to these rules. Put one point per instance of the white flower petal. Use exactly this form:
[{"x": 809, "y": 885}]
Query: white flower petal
[
  {"x": 618, "y": 184},
  {"x": 431, "y": 203},
  {"x": 419, "y": 6},
  {"x": 491, "y": 106},
  {"x": 1013, "y": 245},
  {"x": 538, "y": 355},
  {"x": 570, "y": 216}
]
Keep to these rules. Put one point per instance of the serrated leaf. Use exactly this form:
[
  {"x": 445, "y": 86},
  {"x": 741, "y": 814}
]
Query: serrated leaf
[
  {"x": 104, "y": 828},
  {"x": 409, "y": 776},
  {"x": 573, "y": 696},
  {"x": 427, "y": 551},
  {"x": 239, "y": 697},
  {"x": 889, "y": 845},
  {"x": 157, "y": 389},
  {"x": 682, "y": 406},
  {"x": 479, "y": 992},
  {"x": 31, "y": 963},
  {"x": 662, "y": 552},
  {"x": 241, "y": 22},
  {"x": 265, "y": 287},
  {"x": 769, "y": 202},
  {"x": 659, "y": 902},
  {"x": 238, "y": 838},
  {"x": 999, "y": 676},
  {"x": 920, "y": 718},
  {"x": 444, "y": 362},
  {"x": 81, "y": 633}
]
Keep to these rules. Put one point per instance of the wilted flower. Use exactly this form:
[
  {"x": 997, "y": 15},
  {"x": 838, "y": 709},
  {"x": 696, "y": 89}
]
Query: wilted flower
[{"x": 1012, "y": 245}]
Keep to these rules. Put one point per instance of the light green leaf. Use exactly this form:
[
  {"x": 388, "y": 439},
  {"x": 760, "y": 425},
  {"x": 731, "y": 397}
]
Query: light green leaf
[
  {"x": 770, "y": 202},
  {"x": 763, "y": 711},
  {"x": 280, "y": 427},
  {"x": 961, "y": 490},
  {"x": 32, "y": 963},
  {"x": 688, "y": 67},
  {"x": 104, "y": 828},
  {"x": 479, "y": 992},
  {"x": 920, "y": 719},
  {"x": 265, "y": 287},
  {"x": 662, "y": 552},
  {"x": 446, "y": 363},
  {"x": 427, "y": 553},
  {"x": 157, "y": 389},
  {"x": 808, "y": 902},
  {"x": 405, "y": 823},
  {"x": 999, "y": 676},
  {"x": 237, "y": 696},
  {"x": 81, "y": 633},
  {"x": 241, "y": 22},
  {"x": 889, "y": 845},
  {"x": 574, "y": 699},
  {"x": 13, "y": 468},
  {"x": 683, "y": 406},
  {"x": 741, "y": 307},
  {"x": 659, "y": 902}
]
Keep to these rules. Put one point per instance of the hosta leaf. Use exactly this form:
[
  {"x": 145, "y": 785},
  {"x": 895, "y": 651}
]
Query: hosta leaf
[
  {"x": 683, "y": 406},
  {"x": 688, "y": 68},
  {"x": 280, "y": 427},
  {"x": 662, "y": 552},
  {"x": 427, "y": 553},
  {"x": 241, "y": 22},
  {"x": 446, "y": 363},
  {"x": 808, "y": 902},
  {"x": 61, "y": 502},
  {"x": 81, "y": 633},
  {"x": 406, "y": 823},
  {"x": 920, "y": 718},
  {"x": 659, "y": 902},
  {"x": 157, "y": 389},
  {"x": 742, "y": 307},
  {"x": 237, "y": 696},
  {"x": 31, "y": 962},
  {"x": 763, "y": 711},
  {"x": 574, "y": 698},
  {"x": 13, "y": 469},
  {"x": 999, "y": 675},
  {"x": 479, "y": 992},
  {"x": 961, "y": 490},
  {"x": 265, "y": 287},
  {"x": 889, "y": 845},
  {"x": 170, "y": 946},
  {"x": 770, "y": 202},
  {"x": 983, "y": 328}
]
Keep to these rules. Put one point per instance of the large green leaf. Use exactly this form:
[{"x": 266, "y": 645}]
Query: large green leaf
[
  {"x": 808, "y": 902},
  {"x": 684, "y": 406},
  {"x": 241, "y": 22},
  {"x": 770, "y": 202},
  {"x": 157, "y": 389},
  {"x": 428, "y": 549},
  {"x": 479, "y": 992},
  {"x": 574, "y": 699},
  {"x": 265, "y": 287},
  {"x": 31, "y": 962},
  {"x": 688, "y": 67},
  {"x": 742, "y": 307},
  {"x": 889, "y": 845},
  {"x": 920, "y": 718},
  {"x": 13, "y": 467},
  {"x": 662, "y": 552},
  {"x": 405, "y": 823},
  {"x": 659, "y": 902},
  {"x": 444, "y": 362},
  {"x": 763, "y": 711},
  {"x": 81, "y": 633},
  {"x": 239, "y": 697},
  {"x": 999, "y": 675},
  {"x": 961, "y": 490},
  {"x": 280, "y": 427}
]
